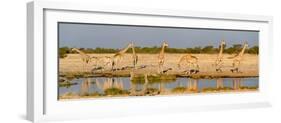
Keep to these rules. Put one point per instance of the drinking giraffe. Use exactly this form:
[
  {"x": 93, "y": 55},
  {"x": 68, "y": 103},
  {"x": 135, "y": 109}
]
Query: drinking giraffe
[
  {"x": 190, "y": 60},
  {"x": 238, "y": 58},
  {"x": 86, "y": 59},
  {"x": 117, "y": 57}
]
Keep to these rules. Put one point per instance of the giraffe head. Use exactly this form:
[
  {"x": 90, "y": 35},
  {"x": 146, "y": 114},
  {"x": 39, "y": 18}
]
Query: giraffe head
[
  {"x": 131, "y": 44},
  {"x": 246, "y": 45},
  {"x": 223, "y": 43},
  {"x": 165, "y": 44},
  {"x": 74, "y": 49}
]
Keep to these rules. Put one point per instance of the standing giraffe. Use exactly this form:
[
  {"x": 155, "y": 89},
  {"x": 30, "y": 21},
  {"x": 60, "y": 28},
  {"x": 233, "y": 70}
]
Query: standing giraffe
[
  {"x": 84, "y": 57},
  {"x": 190, "y": 60},
  {"x": 161, "y": 57},
  {"x": 101, "y": 63},
  {"x": 135, "y": 57},
  {"x": 238, "y": 58},
  {"x": 117, "y": 57},
  {"x": 219, "y": 60}
]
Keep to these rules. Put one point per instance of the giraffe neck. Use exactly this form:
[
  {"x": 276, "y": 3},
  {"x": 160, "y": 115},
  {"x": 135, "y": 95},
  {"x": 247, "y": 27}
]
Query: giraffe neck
[
  {"x": 134, "y": 55},
  {"x": 181, "y": 60},
  {"x": 221, "y": 50},
  {"x": 162, "y": 50},
  {"x": 133, "y": 50},
  {"x": 124, "y": 50},
  {"x": 242, "y": 51},
  {"x": 80, "y": 52}
]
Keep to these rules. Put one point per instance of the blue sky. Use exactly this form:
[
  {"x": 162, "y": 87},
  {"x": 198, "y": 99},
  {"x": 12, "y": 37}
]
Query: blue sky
[{"x": 117, "y": 36}]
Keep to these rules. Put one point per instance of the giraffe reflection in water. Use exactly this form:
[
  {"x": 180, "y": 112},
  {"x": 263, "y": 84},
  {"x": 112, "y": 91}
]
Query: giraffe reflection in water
[
  {"x": 236, "y": 83},
  {"x": 85, "y": 86},
  {"x": 123, "y": 86}
]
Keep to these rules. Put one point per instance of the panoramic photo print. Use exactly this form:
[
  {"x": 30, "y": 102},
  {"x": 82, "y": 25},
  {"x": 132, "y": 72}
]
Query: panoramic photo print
[{"x": 106, "y": 60}]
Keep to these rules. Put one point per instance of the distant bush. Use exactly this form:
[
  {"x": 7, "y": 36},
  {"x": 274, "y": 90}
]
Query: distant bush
[
  {"x": 63, "y": 51},
  {"x": 253, "y": 50},
  {"x": 236, "y": 48},
  {"x": 209, "y": 49}
]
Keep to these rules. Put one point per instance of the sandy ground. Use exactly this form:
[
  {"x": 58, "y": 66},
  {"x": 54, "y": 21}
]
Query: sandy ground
[
  {"x": 73, "y": 63},
  {"x": 77, "y": 97}
]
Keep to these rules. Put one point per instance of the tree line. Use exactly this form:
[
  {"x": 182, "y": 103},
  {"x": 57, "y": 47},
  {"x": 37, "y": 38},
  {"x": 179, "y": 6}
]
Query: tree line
[{"x": 152, "y": 50}]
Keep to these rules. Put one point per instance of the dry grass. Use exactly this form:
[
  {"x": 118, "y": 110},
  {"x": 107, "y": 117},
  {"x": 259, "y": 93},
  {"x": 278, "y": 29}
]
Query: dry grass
[{"x": 73, "y": 64}]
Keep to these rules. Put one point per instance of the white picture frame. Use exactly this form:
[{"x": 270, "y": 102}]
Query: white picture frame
[{"x": 42, "y": 103}]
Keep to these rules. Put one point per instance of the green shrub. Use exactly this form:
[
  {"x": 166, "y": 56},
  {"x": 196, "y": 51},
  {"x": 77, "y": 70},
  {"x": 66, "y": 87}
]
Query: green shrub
[
  {"x": 179, "y": 89},
  {"x": 113, "y": 91},
  {"x": 63, "y": 51},
  {"x": 235, "y": 48}
]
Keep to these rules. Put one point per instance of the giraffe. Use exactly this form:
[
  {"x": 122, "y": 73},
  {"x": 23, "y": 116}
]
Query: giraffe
[
  {"x": 135, "y": 56},
  {"x": 86, "y": 59},
  {"x": 161, "y": 57},
  {"x": 117, "y": 57},
  {"x": 101, "y": 63},
  {"x": 190, "y": 60},
  {"x": 238, "y": 58},
  {"x": 219, "y": 60}
]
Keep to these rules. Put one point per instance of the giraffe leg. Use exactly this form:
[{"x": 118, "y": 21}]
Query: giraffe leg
[
  {"x": 83, "y": 67},
  {"x": 113, "y": 65},
  {"x": 219, "y": 66},
  {"x": 190, "y": 68},
  {"x": 238, "y": 66},
  {"x": 194, "y": 68},
  {"x": 234, "y": 66},
  {"x": 159, "y": 68}
]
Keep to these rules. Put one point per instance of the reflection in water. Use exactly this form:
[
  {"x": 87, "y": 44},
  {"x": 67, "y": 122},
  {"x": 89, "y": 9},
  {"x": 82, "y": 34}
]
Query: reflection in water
[
  {"x": 103, "y": 86},
  {"x": 236, "y": 83},
  {"x": 85, "y": 86},
  {"x": 192, "y": 85},
  {"x": 146, "y": 89},
  {"x": 111, "y": 83},
  {"x": 162, "y": 87},
  {"x": 219, "y": 83}
]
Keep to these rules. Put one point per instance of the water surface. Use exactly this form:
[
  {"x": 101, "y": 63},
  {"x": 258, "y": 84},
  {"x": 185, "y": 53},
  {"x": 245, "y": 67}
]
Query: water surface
[{"x": 179, "y": 82}]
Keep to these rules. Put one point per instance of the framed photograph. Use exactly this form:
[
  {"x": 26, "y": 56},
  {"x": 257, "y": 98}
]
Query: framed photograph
[{"x": 101, "y": 61}]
